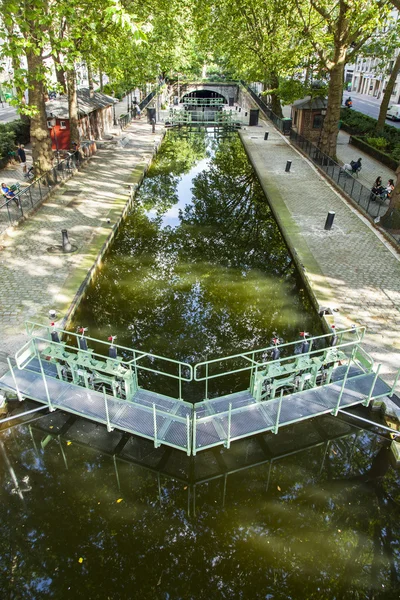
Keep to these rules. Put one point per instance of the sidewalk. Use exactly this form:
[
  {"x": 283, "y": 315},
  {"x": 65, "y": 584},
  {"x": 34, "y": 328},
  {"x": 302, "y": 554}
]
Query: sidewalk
[
  {"x": 89, "y": 205},
  {"x": 351, "y": 269}
]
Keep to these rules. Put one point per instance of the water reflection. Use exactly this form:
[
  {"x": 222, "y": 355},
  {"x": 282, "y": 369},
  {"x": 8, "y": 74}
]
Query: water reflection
[
  {"x": 220, "y": 280},
  {"x": 311, "y": 513}
]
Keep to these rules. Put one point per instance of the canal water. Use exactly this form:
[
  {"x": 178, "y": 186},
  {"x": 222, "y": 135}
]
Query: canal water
[{"x": 198, "y": 270}]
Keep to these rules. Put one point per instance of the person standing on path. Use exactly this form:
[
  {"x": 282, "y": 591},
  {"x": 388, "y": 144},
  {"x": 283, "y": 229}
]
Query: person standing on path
[{"x": 22, "y": 156}]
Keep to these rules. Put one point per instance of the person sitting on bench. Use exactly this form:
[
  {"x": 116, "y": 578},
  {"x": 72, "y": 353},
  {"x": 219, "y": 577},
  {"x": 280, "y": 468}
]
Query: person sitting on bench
[
  {"x": 353, "y": 167},
  {"x": 389, "y": 188},
  {"x": 8, "y": 193}
]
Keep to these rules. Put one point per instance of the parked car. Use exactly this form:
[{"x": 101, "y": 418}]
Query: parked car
[{"x": 393, "y": 112}]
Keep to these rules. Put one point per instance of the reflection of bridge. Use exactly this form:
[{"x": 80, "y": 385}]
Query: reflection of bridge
[
  {"x": 288, "y": 383},
  {"x": 319, "y": 438}
]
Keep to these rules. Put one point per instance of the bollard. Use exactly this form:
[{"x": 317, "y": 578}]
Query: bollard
[
  {"x": 245, "y": 114},
  {"x": 240, "y": 110},
  {"x": 153, "y": 125},
  {"x": 288, "y": 165},
  {"x": 266, "y": 134},
  {"x": 329, "y": 220},
  {"x": 66, "y": 245}
]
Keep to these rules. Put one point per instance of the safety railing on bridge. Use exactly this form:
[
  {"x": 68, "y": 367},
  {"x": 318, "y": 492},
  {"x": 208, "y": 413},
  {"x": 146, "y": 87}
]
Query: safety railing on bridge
[
  {"x": 116, "y": 385},
  {"x": 256, "y": 360},
  {"x": 27, "y": 198},
  {"x": 375, "y": 206}
]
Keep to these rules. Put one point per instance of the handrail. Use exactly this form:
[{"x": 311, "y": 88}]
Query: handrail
[
  {"x": 37, "y": 191},
  {"x": 354, "y": 330},
  {"x": 31, "y": 326}
]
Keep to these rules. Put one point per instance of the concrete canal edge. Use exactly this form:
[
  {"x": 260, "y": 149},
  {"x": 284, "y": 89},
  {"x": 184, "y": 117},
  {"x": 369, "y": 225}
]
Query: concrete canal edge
[
  {"x": 301, "y": 254},
  {"x": 318, "y": 287},
  {"x": 75, "y": 286}
]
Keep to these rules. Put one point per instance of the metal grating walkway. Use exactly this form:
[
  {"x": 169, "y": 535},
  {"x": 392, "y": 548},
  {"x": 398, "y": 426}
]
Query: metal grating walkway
[
  {"x": 283, "y": 389},
  {"x": 147, "y": 414}
]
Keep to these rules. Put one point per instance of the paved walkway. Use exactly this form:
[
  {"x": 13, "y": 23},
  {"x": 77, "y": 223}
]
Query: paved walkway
[
  {"x": 32, "y": 280},
  {"x": 350, "y": 269}
]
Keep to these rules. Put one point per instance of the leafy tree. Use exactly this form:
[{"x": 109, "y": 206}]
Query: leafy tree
[{"x": 337, "y": 33}]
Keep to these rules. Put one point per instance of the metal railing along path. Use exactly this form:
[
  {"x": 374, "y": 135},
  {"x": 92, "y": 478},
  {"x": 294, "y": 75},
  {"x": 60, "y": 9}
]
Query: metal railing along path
[
  {"x": 14, "y": 209},
  {"x": 373, "y": 205}
]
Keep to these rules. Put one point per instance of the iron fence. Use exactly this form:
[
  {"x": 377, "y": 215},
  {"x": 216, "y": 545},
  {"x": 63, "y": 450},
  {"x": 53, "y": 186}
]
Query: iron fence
[
  {"x": 375, "y": 206},
  {"x": 283, "y": 124},
  {"x": 16, "y": 208}
]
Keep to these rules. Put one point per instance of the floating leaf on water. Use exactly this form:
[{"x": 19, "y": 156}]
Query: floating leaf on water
[
  {"x": 51, "y": 426},
  {"x": 69, "y": 443},
  {"x": 80, "y": 560},
  {"x": 278, "y": 488},
  {"x": 119, "y": 500},
  {"x": 185, "y": 488}
]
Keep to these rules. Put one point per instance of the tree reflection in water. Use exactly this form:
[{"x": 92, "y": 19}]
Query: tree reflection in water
[
  {"x": 219, "y": 282},
  {"x": 322, "y": 523}
]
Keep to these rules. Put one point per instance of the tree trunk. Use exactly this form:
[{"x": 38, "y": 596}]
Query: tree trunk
[
  {"x": 275, "y": 99},
  {"x": 335, "y": 92},
  {"x": 40, "y": 134},
  {"x": 386, "y": 97},
  {"x": 60, "y": 72},
  {"x": 72, "y": 106},
  {"x": 90, "y": 79},
  {"x": 101, "y": 80},
  {"x": 391, "y": 219}
]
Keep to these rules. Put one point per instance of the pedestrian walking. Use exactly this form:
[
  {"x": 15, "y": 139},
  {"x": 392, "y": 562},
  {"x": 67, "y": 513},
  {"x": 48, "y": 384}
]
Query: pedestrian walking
[{"x": 22, "y": 156}]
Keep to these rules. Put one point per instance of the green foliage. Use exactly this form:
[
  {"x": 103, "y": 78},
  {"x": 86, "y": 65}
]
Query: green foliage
[
  {"x": 11, "y": 134},
  {"x": 396, "y": 152},
  {"x": 20, "y": 129},
  {"x": 361, "y": 125},
  {"x": 293, "y": 89},
  {"x": 7, "y": 145},
  {"x": 379, "y": 143}
]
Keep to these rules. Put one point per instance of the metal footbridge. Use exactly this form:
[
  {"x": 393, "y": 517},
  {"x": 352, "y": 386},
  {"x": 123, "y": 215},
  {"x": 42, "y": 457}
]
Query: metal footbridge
[{"x": 110, "y": 384}]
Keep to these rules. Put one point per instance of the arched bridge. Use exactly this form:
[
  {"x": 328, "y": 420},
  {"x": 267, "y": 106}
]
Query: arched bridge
[{"x": 209, "y": 89}]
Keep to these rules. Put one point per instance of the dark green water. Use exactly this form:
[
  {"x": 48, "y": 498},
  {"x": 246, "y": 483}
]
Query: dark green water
[
  {"x": 319, "y": 523},
  {"x": 199, "y": 270}
]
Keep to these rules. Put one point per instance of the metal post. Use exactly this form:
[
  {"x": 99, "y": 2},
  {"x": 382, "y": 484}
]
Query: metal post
[
  {"x": 19, "y": 395},
  {"x": 188, "y": 452},
  {"x": 278, "y": 413},
  {"x": 45, "y": 383},
  {"x": 288, "y": 165},
  {"x": 206, "y": 397},
  {"x": 23, "y": 414},
  {"x": 266, "y": 134},
  {"x": 228, "y": 442},
  {"x": 394, "y": 384},
  {"x": 155, "y": 425},
  {"x": 368, "y": 400},
  {"x": 329, "y": 220},
  {"x": 336, "y": 409},
  {"x": 109, "y": 428},
  {"x": 194, "y": 433}
]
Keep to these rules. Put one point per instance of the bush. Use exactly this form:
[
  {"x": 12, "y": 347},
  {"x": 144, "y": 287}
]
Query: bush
[
  {"x": 21, "y": 130},
  {"x": 361, "y": 125},
  {"x": 7, "y": 146},
  {"x": 379, "y": 143}
]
